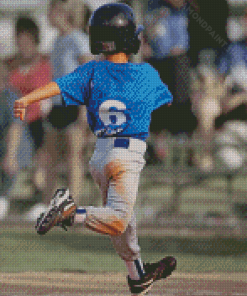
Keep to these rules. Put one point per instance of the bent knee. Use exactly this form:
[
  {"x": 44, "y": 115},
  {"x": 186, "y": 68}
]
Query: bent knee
[
  {"x": 114, "y": 228},
  {"x": 118, "y": 226}
]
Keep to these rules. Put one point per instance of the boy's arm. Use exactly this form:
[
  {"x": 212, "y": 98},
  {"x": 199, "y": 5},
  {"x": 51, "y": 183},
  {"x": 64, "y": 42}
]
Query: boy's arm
[{"x": 37, "y": 95}]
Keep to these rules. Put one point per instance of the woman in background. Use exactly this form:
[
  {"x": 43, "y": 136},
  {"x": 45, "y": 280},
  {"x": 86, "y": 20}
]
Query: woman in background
[{"x": 28, "y": 71}]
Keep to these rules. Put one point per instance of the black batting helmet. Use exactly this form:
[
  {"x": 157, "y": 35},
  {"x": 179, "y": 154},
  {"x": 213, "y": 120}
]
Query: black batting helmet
[{"x": 112, "y": 29}]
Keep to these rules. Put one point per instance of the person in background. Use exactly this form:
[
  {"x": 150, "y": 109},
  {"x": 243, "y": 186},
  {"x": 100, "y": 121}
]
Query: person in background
[
  {"x": 67, "y": 130},
  {"x": 231, "y": 61},
  {"x": 15, "y": 145},
  {"x": 214, "y": 35},
  {"x": 207, "y": 92},
  {"x": 71, "y": 48},
  {"x": 221, "y": 96},
  {"x": 29, "y": 69},
  {"x": 167, "y": 33}
]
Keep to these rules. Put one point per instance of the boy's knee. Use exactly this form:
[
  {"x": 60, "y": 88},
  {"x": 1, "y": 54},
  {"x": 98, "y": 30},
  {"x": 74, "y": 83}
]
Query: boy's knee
[
  {"x": 115, "y": 227},
  {"x": 119, "y": 226}
]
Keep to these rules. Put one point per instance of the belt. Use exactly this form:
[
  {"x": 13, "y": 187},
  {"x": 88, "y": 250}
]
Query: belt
[
  {"x": 121, "y": 143},
  {"x": 131, "y": 144}
]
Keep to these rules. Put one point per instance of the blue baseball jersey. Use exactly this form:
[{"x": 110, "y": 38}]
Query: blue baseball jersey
[{"x": 119, "y": 97}]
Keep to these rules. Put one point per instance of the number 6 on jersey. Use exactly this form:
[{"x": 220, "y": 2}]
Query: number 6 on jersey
[{"x": 114, "y": 116}]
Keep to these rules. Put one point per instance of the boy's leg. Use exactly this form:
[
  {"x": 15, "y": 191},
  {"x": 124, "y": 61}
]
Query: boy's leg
[
  {"x": 123, "y": 185},
  {"x": 116, "y": 218},
  {"x": 126, "y": 244},
  {"x": 119, "y": 186},
  {"x": 117, "y": 171},
  {"x": 127, "y": 247},
  {"x": 119, "y": 180}
]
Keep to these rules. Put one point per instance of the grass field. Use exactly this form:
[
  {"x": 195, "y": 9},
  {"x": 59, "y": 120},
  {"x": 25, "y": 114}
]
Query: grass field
[{"x": 23, "y": 250}]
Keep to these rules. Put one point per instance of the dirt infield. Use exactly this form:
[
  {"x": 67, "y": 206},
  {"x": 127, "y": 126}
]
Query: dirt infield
[{"x": 76, "y": 284}]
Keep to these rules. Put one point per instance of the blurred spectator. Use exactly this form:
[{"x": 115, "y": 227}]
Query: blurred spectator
[
  {"x": 166, "y": 25},
  {"x": 207, "y": 27},
  {"x": 232, "y": 66},
  {"x": 207, "y": 93},
  {"x": 29, "y": 70},
  {"x": 220, "y": 96},
  {"x": 15, "y": 147},
  {"x": 232, "y": 59},
  {"x": 71, "y": 48},
  {"x": 67, "y": 130}
]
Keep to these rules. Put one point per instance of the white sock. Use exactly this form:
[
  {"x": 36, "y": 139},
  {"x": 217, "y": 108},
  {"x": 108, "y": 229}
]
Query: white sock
[
  {"x": 135, "y": 269},
  {"x": 80, "y": 215}
]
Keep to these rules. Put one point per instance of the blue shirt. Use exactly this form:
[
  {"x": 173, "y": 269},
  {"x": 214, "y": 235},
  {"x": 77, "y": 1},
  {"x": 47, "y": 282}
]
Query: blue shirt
[
  {"x": 119, "y": 97},
  {"x": 234, "y": 55},
  {"x": 169, "y": 31}
]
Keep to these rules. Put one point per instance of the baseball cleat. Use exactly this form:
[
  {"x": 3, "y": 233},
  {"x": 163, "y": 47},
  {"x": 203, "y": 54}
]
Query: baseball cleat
[
  {"x": 61, "y": 212},
  {"x": 153, "y": 272},
  {"x": 163, "y": 268}
]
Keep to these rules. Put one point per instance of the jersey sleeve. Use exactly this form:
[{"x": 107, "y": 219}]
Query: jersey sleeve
[
  {"x": 160, "y": 93},
  {"x": 74, "y": 86},
  {"x": 162, "y": 96}
]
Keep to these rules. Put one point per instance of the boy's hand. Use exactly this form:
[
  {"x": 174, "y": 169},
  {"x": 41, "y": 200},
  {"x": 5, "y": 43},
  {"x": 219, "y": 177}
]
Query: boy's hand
[
  {"x": 20, "y": 108},
  {"x": 42, "y": 93}
]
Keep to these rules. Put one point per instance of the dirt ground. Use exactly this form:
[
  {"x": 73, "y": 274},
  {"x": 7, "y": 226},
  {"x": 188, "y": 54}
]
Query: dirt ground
[{"x": 77, "y": 284}]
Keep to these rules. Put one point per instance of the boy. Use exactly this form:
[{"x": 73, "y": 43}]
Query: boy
[{"x": 119, "y": 97}]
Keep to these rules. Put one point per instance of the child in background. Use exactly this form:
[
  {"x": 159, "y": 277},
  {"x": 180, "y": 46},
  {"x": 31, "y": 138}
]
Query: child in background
[{"x": 31, "y": 70}]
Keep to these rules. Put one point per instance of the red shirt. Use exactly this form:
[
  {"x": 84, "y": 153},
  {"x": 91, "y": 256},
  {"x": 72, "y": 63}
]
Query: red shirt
[{"x": 37, "y": 76}]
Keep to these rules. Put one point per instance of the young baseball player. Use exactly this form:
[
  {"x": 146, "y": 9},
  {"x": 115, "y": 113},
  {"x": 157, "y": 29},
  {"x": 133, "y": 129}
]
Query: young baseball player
[{"x": 119, "y": 97}]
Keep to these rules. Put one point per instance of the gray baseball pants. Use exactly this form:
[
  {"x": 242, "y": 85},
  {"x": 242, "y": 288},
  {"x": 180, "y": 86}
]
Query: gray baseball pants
[{"x": 116, "y": 166}]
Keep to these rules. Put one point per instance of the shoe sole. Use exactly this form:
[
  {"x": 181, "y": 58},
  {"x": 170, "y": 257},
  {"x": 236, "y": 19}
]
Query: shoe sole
[
  {"x": 52, "y": 216},
  {"x": 150, "y": 283},
  {"x": 145, "y": 291}
]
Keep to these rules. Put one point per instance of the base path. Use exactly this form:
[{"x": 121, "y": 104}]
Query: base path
[{"x": 78, "y": 284}]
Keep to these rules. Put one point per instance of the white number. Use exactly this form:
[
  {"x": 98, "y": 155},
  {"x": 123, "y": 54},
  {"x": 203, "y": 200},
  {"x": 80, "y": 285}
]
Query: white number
[{"x": 112, "y": 114}]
